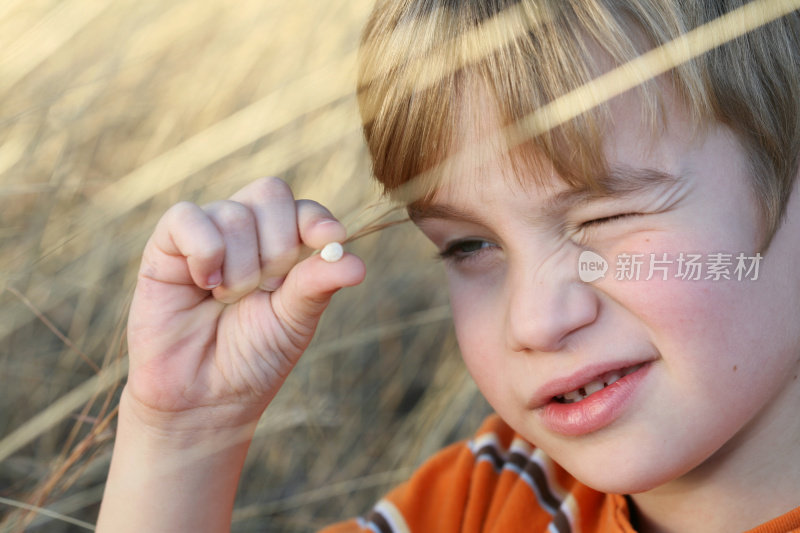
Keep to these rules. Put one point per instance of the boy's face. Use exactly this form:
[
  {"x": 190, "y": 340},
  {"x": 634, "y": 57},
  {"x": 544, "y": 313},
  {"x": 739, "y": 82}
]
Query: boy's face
[{"x": 703, "y": 367}]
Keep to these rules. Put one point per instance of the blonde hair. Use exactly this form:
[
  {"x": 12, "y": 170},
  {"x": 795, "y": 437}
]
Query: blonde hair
[{"x": 419, "y": 59}]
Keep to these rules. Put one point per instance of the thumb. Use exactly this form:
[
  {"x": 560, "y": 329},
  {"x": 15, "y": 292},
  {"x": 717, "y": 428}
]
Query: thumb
[{"x": 307, "y": 290}]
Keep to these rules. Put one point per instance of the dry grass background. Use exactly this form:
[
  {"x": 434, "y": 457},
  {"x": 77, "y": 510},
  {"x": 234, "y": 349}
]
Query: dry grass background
[{"x": 111, "y": 111}]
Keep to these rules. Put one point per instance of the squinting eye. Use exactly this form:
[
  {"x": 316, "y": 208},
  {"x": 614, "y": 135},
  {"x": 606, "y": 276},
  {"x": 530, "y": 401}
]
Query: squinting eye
[
  {"x": 591, "y": 229},
  {"x": 461, "y": 250},
  {"x": 605, "y": 220}
]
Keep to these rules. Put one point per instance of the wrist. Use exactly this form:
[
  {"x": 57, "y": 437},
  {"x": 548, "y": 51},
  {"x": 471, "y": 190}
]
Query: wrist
[
  {"x": 173, "y": 478},
  {"x": 186, "y": 428}
]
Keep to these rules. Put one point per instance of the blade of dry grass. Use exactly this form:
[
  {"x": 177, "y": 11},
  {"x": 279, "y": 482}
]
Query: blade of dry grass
[
  {"x": 605, "y": 87},
  {"x": 652, "y": 64},
  {"x": 244, "y": 127},
  {"x": 53, "y": 328},
  {"x": 70, "y": 505},
  {"x": 63, "y": 407},
  {"x": 336, "y": 489},
  {"x": 62, "y": 23},
  {"x": 47, "y": 512},
  {"x": 377, "y": 332}
]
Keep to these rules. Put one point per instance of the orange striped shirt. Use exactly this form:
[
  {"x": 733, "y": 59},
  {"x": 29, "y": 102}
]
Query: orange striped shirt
[{"x": 498, "y": 483}]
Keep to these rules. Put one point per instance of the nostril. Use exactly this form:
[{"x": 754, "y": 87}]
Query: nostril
[{"x": 543, "y": 318}]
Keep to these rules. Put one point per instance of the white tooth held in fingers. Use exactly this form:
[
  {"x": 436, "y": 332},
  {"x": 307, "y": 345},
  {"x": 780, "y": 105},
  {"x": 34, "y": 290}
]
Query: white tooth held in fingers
[{"x": 332, "y": 252}]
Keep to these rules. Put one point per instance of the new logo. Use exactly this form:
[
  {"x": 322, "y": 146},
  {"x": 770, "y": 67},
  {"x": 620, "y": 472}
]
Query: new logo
[{"x": 591, "y": 266}]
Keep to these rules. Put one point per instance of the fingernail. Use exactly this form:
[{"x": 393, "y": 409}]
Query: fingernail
[
  {"x": 214, "y": 280},
  {"x": 272, "y": 284},
  {"x": 326, "y": 221}
]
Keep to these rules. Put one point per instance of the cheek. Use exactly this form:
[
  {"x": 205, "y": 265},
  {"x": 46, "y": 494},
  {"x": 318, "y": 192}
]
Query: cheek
[
  {"x": 692, "y": 310},
  {"x": 479, "y": 334},
  {"x": 700, "y": 327},
  {"x": 716, "y": 338},
  {"x": 681, "y": 314}
]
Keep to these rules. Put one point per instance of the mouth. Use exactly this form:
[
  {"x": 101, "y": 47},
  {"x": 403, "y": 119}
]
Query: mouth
[
  {"x": 597, "y": 384},
  {"x": 592, "y": 398}
]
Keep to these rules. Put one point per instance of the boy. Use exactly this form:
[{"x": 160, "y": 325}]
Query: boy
[{"x": 653, "y": 398}]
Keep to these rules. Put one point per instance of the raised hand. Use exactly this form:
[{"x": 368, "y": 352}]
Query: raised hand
[{"x": 227, "y": 300}]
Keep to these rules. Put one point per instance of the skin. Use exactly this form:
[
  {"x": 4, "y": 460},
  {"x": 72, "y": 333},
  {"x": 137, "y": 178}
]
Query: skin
[
  {"x": 225, "y": 304},
  {"x": 713, "y": 422}
]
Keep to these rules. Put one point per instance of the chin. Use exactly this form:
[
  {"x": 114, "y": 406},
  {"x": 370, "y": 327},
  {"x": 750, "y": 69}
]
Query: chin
[
  {"x": 627, "y": 473},
  {"x": 624, "y": 484}
]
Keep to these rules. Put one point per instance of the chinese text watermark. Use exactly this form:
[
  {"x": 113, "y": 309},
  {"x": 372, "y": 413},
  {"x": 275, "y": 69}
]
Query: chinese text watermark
[{"x": 715, "y": 266}]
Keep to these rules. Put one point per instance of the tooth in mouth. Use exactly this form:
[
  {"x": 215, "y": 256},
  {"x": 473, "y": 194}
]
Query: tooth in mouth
[{"x": 598, "y": 384}]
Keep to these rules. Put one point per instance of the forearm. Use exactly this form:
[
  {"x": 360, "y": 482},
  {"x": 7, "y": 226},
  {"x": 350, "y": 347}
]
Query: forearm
[{"x": 162, "y": 481}]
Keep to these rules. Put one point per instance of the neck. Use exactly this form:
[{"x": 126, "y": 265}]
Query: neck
[{"x": 754, "y": 478}]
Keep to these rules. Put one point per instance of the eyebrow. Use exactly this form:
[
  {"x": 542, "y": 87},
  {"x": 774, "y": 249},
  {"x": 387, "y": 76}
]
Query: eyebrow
[
  {"x": 620, "y": 182},
  {"x": 419, "y": 213}
]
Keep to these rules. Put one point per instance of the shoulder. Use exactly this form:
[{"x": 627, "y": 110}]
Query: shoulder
[{"x": 494, "y": 482}]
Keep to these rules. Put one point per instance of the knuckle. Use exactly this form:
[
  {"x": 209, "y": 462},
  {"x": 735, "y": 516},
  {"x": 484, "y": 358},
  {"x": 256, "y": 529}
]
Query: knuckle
[
  {"x": 209, "y": 252},
  {"x": 271, "y": 189},
  {"x": 314, "y": 210},
  {"x": 233, "y": 216},
  {"x": 182, "y": 211}
]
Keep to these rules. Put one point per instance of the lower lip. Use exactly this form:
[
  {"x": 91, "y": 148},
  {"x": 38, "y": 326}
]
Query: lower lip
[{"x": 597, "y": 410}]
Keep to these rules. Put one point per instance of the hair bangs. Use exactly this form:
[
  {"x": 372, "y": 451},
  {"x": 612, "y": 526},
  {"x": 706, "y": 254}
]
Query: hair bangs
[{"x": 421, "y": 60}]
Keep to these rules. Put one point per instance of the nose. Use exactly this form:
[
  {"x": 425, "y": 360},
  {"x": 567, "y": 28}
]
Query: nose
[{"x": 547, "y": 306}]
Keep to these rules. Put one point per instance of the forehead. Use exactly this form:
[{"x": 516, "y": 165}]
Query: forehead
[{"x": 635, "y": 158}]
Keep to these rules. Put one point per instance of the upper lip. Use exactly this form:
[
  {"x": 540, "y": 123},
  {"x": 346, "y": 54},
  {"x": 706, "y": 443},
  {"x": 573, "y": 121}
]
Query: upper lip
[{"x": 584, "y": 376}]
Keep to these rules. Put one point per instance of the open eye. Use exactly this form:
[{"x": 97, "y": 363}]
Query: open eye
[{"x": 465, "y": 249}]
